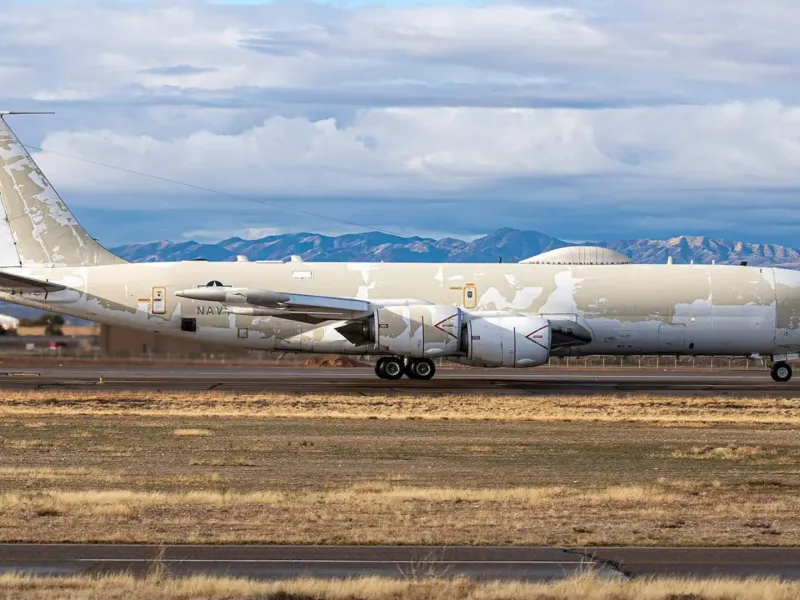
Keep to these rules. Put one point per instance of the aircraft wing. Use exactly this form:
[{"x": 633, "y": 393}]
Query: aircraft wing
[
  {"x": 299, "y": 307},
  {"x": 10, "y": 282}
]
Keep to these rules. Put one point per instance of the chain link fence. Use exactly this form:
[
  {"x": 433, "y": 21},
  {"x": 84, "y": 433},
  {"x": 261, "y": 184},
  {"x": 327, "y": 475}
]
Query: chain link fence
[
  {"x": 730, "y": 363},
  {"x": 263, "y": 358}
]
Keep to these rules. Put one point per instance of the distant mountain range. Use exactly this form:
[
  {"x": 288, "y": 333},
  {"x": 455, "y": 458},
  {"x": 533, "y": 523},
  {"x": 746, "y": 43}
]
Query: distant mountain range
[{"x": 512, "y": 245}]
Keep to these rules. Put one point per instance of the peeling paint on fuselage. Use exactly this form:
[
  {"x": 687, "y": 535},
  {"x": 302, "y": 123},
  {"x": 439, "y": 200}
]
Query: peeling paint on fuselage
[
  {"x": 36, "y": 227},
  {"x": 630, "y": 309}
]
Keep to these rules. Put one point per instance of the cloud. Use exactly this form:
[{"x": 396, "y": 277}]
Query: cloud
[
  {"x": 499, "y": 54},
  {"x": 178, "y": 70},
  {"x": 215, "y": 235},
  {"x": 462, "y": 151},
  {"x": 528, "y": 108}
]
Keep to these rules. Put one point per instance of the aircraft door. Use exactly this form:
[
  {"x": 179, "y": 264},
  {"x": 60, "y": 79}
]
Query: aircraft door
[
  {"x": 158, "y": 301},
  {"x": 470, "y": 296}
]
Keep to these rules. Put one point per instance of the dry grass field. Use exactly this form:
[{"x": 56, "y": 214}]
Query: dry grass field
[
  {"x": 579, "y": 588},
  {"x": 573, "y": 471},
  {"x": 621, "y": 408}
]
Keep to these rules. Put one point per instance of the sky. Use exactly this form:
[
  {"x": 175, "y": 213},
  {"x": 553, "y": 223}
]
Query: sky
[{"x": 583, "y": 119}]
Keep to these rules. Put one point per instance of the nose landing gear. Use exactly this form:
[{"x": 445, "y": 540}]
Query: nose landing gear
[
  {"x": 781, "y": 372},
  {"x": 394, "y": 367}
]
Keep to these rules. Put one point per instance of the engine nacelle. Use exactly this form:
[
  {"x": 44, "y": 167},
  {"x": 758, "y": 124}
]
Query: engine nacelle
[
  {"x": 419, "y": 330},
  {"x": 512, "y": 341}
]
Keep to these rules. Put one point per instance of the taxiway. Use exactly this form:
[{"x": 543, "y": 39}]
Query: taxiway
[
  {"x": 364, "y": 381},
  {"x": 280, "y": 562}
]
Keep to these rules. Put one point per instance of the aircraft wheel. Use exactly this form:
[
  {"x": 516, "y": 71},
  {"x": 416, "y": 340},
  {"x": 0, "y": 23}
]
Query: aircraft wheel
[
  {"x": 380, "y": 368},
  {"x": 420, "y": 368},
  {"x": 781, "y": 372},
  {"x": 393, "y": 368}
]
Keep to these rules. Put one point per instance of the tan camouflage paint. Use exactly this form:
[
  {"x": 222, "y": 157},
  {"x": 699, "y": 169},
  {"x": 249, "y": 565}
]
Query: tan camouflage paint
[
  {"x": 418, "y": 331},
  {"x": 38, "y": 228},
  {"x": 719, "y": 309}
]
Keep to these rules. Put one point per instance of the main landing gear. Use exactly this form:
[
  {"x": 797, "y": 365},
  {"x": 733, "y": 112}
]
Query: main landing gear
[
  {"x": 394, "y": 367},
  {"x": 781, "y": 372}
]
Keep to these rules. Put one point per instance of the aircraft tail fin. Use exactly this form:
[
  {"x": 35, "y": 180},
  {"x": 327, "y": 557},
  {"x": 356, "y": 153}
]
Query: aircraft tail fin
[{"x": 36, "y": 227}]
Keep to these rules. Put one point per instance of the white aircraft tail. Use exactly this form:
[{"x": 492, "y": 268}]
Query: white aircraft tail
[{"x": 36, "y": 227}]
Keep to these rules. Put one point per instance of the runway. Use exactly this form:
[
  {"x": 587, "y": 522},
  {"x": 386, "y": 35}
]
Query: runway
[
  {"x": 364, "y": 381},
  {"x": 280, "y": 562}
]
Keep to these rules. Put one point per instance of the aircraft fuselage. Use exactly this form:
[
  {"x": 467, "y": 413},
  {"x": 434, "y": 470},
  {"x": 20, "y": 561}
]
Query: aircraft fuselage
[{"x": 628, "y": 309}]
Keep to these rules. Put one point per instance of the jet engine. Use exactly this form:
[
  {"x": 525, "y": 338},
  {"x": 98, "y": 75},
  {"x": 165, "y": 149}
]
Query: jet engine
[
  {"x": 506, "y": 341},
  {"x": 418, "y": 330},
  {"x": 433, "y": 330}
]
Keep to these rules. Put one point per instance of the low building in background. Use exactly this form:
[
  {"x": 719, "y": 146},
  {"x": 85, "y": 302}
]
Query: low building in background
[
  {"x": 65, "y": 331},
  {"x": 119, "y": 341}
]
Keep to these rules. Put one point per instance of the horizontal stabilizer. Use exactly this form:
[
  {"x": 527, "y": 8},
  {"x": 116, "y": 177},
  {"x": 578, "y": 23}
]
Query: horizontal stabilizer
[{"x": 25, "y": 285}]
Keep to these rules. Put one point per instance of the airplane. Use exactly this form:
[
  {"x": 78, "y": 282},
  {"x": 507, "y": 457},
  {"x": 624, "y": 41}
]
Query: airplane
[{"x": 574, "y": 301}]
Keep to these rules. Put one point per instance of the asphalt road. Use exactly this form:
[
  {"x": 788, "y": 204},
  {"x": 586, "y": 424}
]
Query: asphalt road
[
  {"x": 497, "y": 381},
  {"x": 279, "y": 562}
]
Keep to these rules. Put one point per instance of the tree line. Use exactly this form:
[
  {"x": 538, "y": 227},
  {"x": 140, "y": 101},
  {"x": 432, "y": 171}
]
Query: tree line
[{"x": 52, "y": 323}]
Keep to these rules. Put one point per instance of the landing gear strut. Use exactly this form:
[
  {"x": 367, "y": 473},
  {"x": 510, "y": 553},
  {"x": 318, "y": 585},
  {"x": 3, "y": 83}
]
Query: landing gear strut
[
  {"x": 781, "y": 372},
  {"x": 394, "y": 367}
]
